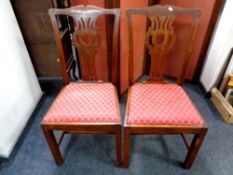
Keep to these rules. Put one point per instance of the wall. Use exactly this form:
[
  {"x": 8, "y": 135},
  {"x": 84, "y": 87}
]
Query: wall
[
  {"x": 219, "y": 49},
  {"x": 19, "y": 90}
]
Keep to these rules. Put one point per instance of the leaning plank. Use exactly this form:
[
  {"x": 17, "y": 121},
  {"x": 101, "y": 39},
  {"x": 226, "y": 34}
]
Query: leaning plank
[{"x": 221, "y": 104}]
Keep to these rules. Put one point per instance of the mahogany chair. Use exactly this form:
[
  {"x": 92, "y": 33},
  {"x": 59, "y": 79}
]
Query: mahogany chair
[
  {"x": 89, "y": 106},
  {"x": 155, "y": 106}
]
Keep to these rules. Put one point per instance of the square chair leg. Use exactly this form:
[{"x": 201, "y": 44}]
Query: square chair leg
[
  {"x": 126, "y": 149},
  {"x": 51, "y": 140},
  {"x": 118, "y": 148},
  {"x": 194, "y": 148}
]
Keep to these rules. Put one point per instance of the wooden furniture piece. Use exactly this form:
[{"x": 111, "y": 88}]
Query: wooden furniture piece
[
  {"x": 155, "y": 107},
  {"x": 227, "y": 84},
  {"x": 222, "y": 105},
  {"x": 91, "y": 106},
  {"x": 220, "y": 98}
]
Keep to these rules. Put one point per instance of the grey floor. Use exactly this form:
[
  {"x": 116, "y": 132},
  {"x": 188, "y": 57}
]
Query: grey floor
[{"x": 95, "y": 154}]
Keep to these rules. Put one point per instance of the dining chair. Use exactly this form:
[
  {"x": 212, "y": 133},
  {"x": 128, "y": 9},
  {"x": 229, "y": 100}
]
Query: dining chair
[
  {"x": 156, "y": 106},
  {"x": 88, "y": 106}
]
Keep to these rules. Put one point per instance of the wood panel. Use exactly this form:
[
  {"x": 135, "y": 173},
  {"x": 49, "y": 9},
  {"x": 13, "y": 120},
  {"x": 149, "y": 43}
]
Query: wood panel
[
  {"x": 109, "y": 31},
  {"x": 207, "y": 8},
  {"x": 211, "y": 26},
  {"x": 222, "y": 105},
  {"x": 139, "y": 23},
  {"x": 38, "y": 35}
]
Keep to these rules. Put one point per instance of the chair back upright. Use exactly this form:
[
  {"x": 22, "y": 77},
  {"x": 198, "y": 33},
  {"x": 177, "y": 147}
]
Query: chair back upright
[
  {"x": 160, "y": 38},
  {"x": 86, "y": 37}
]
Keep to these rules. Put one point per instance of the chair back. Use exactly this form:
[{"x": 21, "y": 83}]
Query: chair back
[
  {"x": 160, "y": 38},
  {"x": 86, "y": 36}
]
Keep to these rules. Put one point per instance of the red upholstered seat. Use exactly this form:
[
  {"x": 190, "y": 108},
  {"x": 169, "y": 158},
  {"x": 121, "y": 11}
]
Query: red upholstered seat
[
  {"x": 85, "y": 103},
  {"x": 161, "y": 104}
]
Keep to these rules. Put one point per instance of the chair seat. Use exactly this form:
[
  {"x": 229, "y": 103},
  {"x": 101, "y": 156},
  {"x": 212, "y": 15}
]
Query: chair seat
[
  {"x": 161, "y": 104},
  {"x": 85, "y": 103}
]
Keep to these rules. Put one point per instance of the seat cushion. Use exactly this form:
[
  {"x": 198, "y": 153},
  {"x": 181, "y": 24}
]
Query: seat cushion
[
  {"x": 161, "y": 104},
  {"x": 85, "y": 103}
]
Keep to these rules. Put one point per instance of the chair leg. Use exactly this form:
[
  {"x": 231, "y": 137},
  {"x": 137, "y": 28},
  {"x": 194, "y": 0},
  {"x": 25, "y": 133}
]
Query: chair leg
[
  {"x": 194, "y": 148},
  {"x": 51, "y": 140},
  {"x": 126, "y": 148},
  {"x": 118, "y": 147}
]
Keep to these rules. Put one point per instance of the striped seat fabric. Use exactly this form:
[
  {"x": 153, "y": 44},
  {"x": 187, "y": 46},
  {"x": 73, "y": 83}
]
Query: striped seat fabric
[
  {"x": 85, "y": 103},
  {"x": 161, "y": 104}
]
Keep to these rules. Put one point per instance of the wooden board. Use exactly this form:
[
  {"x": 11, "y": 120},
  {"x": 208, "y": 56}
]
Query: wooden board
[{"x": 221, "y": 104}]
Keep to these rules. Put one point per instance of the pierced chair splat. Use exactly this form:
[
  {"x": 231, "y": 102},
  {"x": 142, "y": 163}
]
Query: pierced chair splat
[
  {"x": 155, "y": 106},
  {"x": 84, "y": 107}
]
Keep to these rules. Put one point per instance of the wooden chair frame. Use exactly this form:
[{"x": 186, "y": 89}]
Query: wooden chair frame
[
  {"x": 199, "y": 132},
  {"x": 85, "y": 18}
]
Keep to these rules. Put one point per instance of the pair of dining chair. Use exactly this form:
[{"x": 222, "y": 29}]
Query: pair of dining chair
[{"x": 153, "y": 107}]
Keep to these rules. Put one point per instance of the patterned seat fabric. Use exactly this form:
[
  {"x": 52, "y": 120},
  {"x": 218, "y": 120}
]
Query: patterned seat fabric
[
  {"x": 85, "y": 103},
  {"x": 161, "y": 104}
]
